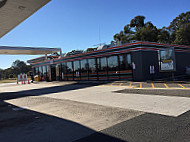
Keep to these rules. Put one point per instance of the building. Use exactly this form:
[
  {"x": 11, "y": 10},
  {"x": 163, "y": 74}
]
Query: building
[{"x": 137, "y": 61}]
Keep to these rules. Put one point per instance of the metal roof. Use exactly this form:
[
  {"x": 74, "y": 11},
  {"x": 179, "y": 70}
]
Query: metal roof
[
  {"x": 27, "y": 50},
  {"x": 13, "y": 12}
]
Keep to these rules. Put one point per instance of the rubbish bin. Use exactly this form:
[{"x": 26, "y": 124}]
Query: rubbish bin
[{"x": 37, "y": 78}]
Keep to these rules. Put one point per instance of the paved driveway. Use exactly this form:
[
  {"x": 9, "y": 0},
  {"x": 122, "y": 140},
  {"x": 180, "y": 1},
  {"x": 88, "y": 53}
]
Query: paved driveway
[{"x": 69, "y": 111}]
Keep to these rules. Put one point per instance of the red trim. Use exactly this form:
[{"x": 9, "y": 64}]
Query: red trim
[
  {"x": 126, "y": 71},
  {"x": 126, "y": 77},
  {"x": 113, "y": 77}
]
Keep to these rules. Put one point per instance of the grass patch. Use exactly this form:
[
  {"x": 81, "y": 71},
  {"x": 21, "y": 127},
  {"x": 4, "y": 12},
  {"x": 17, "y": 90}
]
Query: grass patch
[{"x": 8, "y": 81}]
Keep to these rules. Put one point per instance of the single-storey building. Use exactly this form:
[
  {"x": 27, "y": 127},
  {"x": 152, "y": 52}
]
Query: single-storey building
[{"x": 138, "y": 61}]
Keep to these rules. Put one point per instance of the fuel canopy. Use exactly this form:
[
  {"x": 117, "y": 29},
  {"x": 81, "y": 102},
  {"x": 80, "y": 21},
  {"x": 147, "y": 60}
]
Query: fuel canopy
[{"x": 27, "y": 50}]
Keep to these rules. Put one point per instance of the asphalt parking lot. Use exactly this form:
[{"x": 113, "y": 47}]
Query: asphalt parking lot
[
  {"x": 150, "y": 85},
  {"x": 88, "y": 111}
]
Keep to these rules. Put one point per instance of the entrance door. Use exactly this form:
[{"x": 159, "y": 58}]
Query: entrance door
[{"x": 53, "y": 73}]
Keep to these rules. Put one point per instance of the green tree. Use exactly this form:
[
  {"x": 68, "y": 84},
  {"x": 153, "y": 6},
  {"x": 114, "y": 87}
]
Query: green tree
[
  {"x": 163, "y": 35},
  {"x": 183, "y": 35},
  {"x": 137, "y": 22},
  {"x": 20, "y": 67},
  {"x": 147, "y": 33},
  {"x": 117, "y": 37},
  {"x": 179, "y": 25},
  {"x": 91, "y": 49}
]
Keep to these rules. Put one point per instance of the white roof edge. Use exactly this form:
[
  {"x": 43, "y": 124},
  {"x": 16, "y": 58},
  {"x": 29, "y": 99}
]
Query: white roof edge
[{"x": 27, "y": 50}]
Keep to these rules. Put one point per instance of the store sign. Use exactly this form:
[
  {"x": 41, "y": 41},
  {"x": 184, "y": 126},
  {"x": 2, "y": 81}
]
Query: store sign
[
  {"x": 152, "y": 71},
  {"x": 167, "y": 60}
]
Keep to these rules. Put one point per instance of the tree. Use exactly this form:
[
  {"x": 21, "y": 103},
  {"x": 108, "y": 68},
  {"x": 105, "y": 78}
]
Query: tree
[
  {"x": 137, "y": 22},
  {"x": 20, "y": 67},
  {"x": 179, "y": 25},
  {"x": 163, "y": 35},
  {"x": 183, "y": 35},
  {"x": 177, "y": 32},
  {"x": 117, "y": 37},
  {"x": 91, "y": 49},
  {"x": 147, "y": 33}
]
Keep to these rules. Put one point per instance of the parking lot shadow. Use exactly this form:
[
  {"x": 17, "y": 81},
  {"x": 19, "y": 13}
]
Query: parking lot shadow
[
  {"x": 148, "y": 127},
  {"x": 23, "y": 125}
]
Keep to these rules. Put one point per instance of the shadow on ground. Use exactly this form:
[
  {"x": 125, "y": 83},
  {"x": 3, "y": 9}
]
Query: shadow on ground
[
  {"x": 45, "y": 91},
  {"x": 21, "y": 124},
  {"x": 18, "y": 125},
  {"x": 147, "y": 128}
]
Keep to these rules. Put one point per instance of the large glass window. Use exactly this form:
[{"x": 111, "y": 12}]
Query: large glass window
[
  {"x": 70, "y": 70},
  {"x": 64, "y": 71},
  {"x": 125, "y": 66},
  {"x": 45, "y": 72},
  {"x": 36, "y": 70},
  {"x": 113, "y": 63},
  {"x": 102, "y": 68},
  {"x": 125, "y": 61},
  {"x": 92, "y": 65},
  {"x": 113, "y": 68},
  {"x": 84, "y": 66},
  {"x": 102, "y": 64},
  {"x": 41, "y": 73},
  {"x": 84, "y": 69},
  {"x": 69, "y": 67},
  {"x": 92, "y": 69},
  {"x": 76, "y": 68},
  {"x": 58, "y": 72}
]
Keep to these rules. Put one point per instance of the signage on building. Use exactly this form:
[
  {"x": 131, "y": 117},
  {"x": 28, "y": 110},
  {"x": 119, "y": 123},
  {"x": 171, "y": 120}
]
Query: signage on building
[
  {"x": 152, "y": 71},
  {"x": 167, "y": 60}
]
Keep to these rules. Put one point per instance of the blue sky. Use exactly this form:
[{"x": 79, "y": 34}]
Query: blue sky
[{"x": 75, "y": 24}]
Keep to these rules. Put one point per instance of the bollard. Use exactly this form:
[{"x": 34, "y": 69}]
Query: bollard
[
  {"x": 28, "y": 81},
  {"x": 17, "y": 80},
  {"x": 22, "y": 82}
]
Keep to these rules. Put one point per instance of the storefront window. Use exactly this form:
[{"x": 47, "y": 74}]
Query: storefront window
[
  {"x": 102, "y": 64},
  {"x": 40, "y": 71},
  {"x": 44, "y": 70},
  {"x": 102, "y": 68},
  {"x": 64, "y": 71},
  {"x": 84, "y": 69},
  {"x": 84, "y": 66},
  {"x": 36, "y": 70},
  {"x": 92, "y": 65},
  {"x": 76, "y": 65},
  {"x": 69, "y": 67},
  {"x": 125, "y": 61},
  {"x": 59, "y": 72},
  {"x": 113, "y": 63},
  {"x": 70, "y": 70},
  {"x": 92, "y": 69}
]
